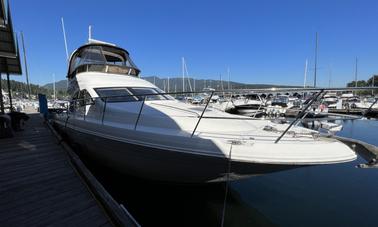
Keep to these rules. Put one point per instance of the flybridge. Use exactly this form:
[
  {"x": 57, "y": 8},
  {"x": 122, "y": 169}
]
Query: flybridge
[{"x": 98, "y": 56}]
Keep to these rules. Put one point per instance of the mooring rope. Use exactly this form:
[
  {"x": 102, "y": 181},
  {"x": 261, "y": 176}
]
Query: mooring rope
[{"x": 227, "y": 183}]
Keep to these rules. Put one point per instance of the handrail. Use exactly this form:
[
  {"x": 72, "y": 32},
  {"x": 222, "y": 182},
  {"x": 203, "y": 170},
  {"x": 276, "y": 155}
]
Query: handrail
[
  {"x": 204, "y": 109},
  {"x": 140, "y": 111},
  {"x": 242, "y": 90},
  {"x": 300, "y": 115},
  {"x": 103, "y": 111},
  {"x": 371, "y": 106}
]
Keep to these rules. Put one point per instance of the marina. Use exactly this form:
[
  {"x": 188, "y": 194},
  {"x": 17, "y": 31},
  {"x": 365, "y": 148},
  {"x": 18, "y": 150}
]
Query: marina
[{"x": 106, "y": 132}]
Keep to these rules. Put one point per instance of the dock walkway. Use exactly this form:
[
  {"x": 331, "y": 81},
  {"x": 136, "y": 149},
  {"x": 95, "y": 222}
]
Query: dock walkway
[{"x": 40, "y": 186}]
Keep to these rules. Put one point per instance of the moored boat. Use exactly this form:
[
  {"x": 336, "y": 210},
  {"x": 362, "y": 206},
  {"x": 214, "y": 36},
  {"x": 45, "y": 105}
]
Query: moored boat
[{"x": 129, "y": 124}]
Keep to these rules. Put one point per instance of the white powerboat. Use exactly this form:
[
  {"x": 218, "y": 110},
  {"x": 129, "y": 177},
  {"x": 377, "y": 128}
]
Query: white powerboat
[
  {"x": 250, "y": 104},
  {"x": 130, "y": 125}
]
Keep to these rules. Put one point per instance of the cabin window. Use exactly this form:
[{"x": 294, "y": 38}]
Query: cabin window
[
  {"x": 116, "y": 94},
  {"x": 130, "y": 94},
  {"x": 140, "y": 91},
  {"x": 81, "y": 98},
  {"x": 104, "y": 59}
]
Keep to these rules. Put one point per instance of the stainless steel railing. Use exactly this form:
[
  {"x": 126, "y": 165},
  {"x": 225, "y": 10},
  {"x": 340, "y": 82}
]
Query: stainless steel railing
[{"x": 318, "y": 93}]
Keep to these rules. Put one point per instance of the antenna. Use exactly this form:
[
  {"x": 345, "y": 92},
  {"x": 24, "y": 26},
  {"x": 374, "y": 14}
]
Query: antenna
[
  {"x": 89, "y": 33},
  {"x": 65, "y": 39}
]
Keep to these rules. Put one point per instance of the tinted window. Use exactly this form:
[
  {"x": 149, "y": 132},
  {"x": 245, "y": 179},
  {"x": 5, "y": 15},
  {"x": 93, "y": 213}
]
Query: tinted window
[
  {"x": 116, "y": 94},
  {"x": 147, "y": 91}
]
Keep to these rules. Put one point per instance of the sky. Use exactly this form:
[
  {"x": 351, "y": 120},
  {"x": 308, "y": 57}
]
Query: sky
[{"x": 261, "y": 41}]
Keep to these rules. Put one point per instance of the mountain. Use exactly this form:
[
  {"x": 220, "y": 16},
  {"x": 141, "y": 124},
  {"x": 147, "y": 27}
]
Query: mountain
[
  {"x": 59, "y": 86},
  {"x": 20, "y": 89},
  {"x": 175, "y": 84}
]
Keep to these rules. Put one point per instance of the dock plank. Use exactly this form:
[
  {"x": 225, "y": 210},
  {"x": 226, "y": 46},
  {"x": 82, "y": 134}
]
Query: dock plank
[{"x": 39, "y": 186}]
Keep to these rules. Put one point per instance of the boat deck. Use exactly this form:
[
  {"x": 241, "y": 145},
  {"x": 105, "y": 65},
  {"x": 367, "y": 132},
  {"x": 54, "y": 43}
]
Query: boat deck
[{"x": 39, "y": 184}]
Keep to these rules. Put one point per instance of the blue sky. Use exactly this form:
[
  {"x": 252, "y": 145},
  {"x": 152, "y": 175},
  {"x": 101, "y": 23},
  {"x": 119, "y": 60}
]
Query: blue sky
[{"x": 265, "y": 41}]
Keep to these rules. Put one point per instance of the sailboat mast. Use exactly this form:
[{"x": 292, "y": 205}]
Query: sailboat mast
[
  {"x": 330, "y": 76},
  {"x": 54, "y": 86},
  {"x": 316, "y": 57},
  {"x": 194, "y": 84},
  {"x": 355, "y": 73},
  {"x": 183, "y": 74},
  {"x": 228, "y": 74},
  {"x": 373, "y": 85},
  {"x": 168, "y": 84},
  {"x": 26, "y": 65},
  {"x": 305, "y": 74}
]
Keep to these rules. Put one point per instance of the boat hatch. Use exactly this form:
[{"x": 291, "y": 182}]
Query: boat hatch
[{"x": 102, "y": 58}]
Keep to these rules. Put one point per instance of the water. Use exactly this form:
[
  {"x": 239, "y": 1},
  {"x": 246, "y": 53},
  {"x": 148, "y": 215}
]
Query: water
[{"x": 330, "y": 195}]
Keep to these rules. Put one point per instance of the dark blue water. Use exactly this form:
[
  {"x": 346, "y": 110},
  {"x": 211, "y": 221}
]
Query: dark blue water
[{"x": 330, "y": 195}]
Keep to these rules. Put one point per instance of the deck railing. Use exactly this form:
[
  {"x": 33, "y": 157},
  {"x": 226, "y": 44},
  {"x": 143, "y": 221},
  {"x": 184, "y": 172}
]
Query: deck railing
[{"x": 317, "y": 94}]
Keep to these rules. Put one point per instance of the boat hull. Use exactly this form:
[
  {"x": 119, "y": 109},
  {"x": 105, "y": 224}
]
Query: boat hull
[{"x": 164, "y": 165}]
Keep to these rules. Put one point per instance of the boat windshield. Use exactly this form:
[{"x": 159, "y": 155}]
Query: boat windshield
[
  {"x": 129, "y": 94},
  {"x": 102, "y": 58},
  {"x": 281, "y": 99}
]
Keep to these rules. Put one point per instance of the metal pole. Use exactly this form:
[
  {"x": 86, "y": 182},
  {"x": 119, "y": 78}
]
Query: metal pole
[
  {"x": 54, "y": 86},
  {"x": 373, "y": 85},
  {"x": 227, "y": 186},
  {"x": 140, "y": 112},
  {"x": 10, "y": 93},
  {"x": 305, "y": 74},
  {"x": 228, "y": 73},
  {"x": 103, "y": 111},
  {"x": 371, "y": 106},
  {"x": 330, "y": 76},
  {"x": 299, "y": 116},
  {"x": 168, "y": 84},
  {"x": 65, "y": 39},
  {"x": 316, "y": 57},
  {"x": 355, "y": 73},
  {"x": 26, "y": 65},
  {"x": 89, "y": 33},
  {"x": 1, "y": 96},
  {"x": 183, "y": 75},
  {"x": 202, "y": 113}
]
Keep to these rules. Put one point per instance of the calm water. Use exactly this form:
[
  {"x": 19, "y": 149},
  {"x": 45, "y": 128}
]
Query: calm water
[{"x": 332, "y": 195}]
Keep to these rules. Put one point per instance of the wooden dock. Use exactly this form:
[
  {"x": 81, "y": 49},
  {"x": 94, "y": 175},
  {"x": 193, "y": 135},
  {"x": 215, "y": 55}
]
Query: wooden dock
[{"x": 41, "y": 184}]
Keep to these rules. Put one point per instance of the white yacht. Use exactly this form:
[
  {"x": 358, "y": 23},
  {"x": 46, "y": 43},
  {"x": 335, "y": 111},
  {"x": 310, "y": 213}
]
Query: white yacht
[
  {"x": 249, "y": 104},
  {"x": 130, "y": 125}
]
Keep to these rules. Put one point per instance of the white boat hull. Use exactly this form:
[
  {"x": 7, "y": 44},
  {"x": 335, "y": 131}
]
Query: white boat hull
[{"x": 162, "y": 164}]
